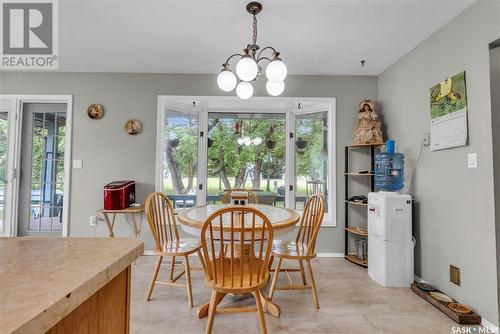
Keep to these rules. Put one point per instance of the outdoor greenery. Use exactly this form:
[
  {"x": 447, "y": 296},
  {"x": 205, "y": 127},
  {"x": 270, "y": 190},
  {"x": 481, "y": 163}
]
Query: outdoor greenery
[{"x": 232, "y": 165}]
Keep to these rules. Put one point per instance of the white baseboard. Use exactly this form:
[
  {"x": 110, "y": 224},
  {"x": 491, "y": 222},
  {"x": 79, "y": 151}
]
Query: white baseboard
[
  {"x": 330, "y": 254},
  {"x": 151, "y": 253}
]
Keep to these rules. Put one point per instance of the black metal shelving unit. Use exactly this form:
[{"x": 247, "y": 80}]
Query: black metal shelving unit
[{"x": 356, "y": 230}]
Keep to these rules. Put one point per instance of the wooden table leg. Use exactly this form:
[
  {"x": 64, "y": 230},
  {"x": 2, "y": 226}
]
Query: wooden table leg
[
  {"x": 203, "y": 309},
  {"x": 110, "y": 227},
  {"x": 134, "y": 225},
  {"x": 268, "y": 305}
]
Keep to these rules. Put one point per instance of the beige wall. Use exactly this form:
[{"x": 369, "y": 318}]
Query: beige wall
[
  {"x": 455, "y": 218},
  {"x": 109, "y": 154}
]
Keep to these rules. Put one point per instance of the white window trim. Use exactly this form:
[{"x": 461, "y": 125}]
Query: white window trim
[
  {"x": 326, "y": 103},
  {"x": 16, "y": 136}
]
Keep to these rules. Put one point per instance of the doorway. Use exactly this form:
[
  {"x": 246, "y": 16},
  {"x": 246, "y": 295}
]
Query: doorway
[{"x": 35, "y": 156}]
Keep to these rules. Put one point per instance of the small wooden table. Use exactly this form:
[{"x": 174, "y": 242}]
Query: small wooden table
[
  {"x": 283, "y": 221},
  {"x": 130, "y": 211}
]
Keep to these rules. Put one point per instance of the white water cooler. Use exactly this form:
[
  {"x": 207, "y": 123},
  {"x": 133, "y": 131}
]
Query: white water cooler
[{"x": 390, "y": 241}]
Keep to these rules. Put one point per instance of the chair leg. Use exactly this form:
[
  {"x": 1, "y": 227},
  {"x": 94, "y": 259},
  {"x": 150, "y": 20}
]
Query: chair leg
[
  {"x": 302, "y": 272},
  {"x": 153, "y": 279},
  {"x": 172, "y": 267},
  {"x": 271, "y": 259},
  {"x": 313, "y": 285},
  {"x": 188, "y": 280},
  {"x": 260, "y": 312},
  {"x": 212, "y": 309},
  {"x": 275, "y": 278}
]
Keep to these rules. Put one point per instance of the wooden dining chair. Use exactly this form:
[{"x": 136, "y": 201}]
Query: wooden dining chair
[
  {"x": 244, "y": 265},
  {"x": 250, "y": 197},
  {"x": 163, "y": 225},
  {"x": 302, "y": 249}
]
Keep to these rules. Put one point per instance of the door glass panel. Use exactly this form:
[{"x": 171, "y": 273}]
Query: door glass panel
[
  {"x": 311, "y": 156},
  {"x": 47, "y": 171},
  {"x": 180, "y": 158},
  {"x": 247, "y": 151},
  {"x": 4, "y": 135}
]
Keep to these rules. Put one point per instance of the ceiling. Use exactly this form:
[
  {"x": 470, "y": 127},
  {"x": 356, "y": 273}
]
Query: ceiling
[{"x": 314, "y": 37}]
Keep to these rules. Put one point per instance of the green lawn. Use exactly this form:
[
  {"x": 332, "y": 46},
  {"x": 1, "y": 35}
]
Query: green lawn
[{"x": 213, "y": 185}]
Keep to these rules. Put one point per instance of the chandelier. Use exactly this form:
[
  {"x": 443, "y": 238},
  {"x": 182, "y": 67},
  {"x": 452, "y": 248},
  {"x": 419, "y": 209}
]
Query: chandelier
[{"x": 248, "y": 66}]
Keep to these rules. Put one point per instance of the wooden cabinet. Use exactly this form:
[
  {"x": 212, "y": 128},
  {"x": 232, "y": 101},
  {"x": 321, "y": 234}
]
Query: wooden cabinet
[{"x": 106, "y": 311}]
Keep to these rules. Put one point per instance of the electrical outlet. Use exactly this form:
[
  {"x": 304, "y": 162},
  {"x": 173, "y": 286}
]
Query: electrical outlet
[
  {"x": 427, "y": 139},
  {"x": 93, "y": 220},
  {"x": 454, "y": 275}
]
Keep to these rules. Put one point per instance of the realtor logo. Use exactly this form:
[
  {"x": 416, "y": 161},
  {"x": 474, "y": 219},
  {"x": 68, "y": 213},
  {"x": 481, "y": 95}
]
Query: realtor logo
[{"x": 29, "y": 34}]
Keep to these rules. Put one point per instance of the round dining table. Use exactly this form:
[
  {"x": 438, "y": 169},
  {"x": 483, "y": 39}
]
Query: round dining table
[{"x": 283, "y": 221}]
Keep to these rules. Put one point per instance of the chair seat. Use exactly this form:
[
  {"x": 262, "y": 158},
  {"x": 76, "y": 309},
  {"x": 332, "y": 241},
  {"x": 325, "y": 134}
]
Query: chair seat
[
  {"x": 290, "y": 250},
  {"x": 239, "y": 284},
  {"x": 185, "y": 246}
]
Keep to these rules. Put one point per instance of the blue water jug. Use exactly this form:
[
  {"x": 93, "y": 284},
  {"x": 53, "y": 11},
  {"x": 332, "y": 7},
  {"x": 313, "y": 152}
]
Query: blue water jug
[{"x": 389, "y": 171}]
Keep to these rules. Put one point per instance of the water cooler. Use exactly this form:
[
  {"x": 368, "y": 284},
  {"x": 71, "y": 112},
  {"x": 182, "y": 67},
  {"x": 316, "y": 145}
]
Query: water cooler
[{"x": 390, "y": 242}]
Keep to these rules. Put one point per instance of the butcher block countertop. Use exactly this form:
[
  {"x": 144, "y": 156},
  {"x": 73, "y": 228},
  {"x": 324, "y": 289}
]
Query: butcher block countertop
[{"x": 43, "y": 279}]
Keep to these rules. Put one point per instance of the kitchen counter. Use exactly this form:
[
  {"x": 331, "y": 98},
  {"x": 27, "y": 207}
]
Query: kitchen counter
[{"x": 59, "y": 284}]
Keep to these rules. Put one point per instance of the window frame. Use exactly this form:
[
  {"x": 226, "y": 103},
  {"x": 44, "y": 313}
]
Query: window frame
[{"x": 203, "y": 105}]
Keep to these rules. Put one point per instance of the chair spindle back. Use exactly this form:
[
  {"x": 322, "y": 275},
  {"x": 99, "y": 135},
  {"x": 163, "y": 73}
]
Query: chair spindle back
[
  {"x": 310, "y": 222},
  {"x": 161, "y": 219},
  {"x": 239, "y": 256},
  {"x": 226, "y": 197}
]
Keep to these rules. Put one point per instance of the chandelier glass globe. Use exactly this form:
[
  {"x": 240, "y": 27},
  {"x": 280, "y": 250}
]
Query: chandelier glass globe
[
  {"x": 226, "y": 80},
  {"x": 240, "y": 141},
  {"x": 247, "y": 141},
  {"x": 247, "y": 69},
  {"x": 276, "y": 71},
  {"x": 275, "y": 88},
  {"x": 244, "y": 90},
  {"x": 257, "y": 141}
]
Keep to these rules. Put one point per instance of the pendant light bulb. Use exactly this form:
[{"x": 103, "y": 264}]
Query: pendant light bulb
[
  {"x": 275, "y": 88},
  {"x": 247, "y": 68},
  {"x": 276, "y": 70},
  {"x": 244, "y": 90},
  {"x": 226, "y": 80}
]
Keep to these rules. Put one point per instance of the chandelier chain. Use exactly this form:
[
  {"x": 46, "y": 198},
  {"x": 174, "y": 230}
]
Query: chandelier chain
[{"x": 254, "y": 36}]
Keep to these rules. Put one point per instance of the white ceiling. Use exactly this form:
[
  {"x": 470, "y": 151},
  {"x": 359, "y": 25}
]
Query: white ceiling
[{"x": 314, "y": 37}]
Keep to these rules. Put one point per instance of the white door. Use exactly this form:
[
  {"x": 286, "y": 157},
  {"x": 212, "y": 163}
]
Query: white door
[
  {"x": 42, "y": 177},
  {"x": 182, "y": 135},
  {"x": 311, "y": 166},
  {"x": 7, "y": 159}
]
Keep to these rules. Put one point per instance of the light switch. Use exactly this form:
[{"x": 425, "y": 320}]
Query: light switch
[
  {"x": 472, "y": 160},
  {"x": 77, "y": 163}
]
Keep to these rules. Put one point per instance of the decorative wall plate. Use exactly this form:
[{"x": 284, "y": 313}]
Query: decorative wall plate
[
  {"x": 95, "y": 111},
  {"x": 133, "y": 127},
  {"x": 441, "y": 297}
]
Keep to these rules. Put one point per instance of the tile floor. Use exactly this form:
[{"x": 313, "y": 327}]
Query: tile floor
[{"x": 350, "y": 303}]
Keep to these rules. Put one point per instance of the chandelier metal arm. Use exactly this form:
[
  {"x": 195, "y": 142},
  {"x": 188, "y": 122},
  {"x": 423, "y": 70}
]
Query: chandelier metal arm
[
  {"x": 263, "y": 58},
  {"x": 264, "y": 49},
  {"x": 231, "y": 56}
]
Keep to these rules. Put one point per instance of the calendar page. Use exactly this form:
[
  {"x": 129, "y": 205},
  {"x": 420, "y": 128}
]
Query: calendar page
[{"x": 448, "y": 102}]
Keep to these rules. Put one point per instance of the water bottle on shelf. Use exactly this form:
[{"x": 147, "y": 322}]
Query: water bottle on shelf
[{"x": 389, "y": 168}]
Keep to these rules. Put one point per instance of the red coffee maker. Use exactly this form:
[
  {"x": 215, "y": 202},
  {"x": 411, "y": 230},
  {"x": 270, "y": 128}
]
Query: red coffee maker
[{"x": 119, "y": 195}]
